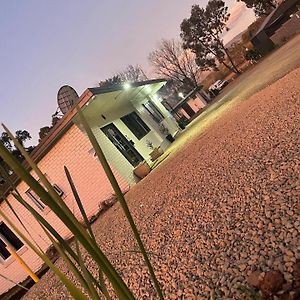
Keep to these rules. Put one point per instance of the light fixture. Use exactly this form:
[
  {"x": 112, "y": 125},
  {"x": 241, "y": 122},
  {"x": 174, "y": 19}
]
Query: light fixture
[
  {"x": 126, "y": 86},
  {"x": 181, "y": 95}
]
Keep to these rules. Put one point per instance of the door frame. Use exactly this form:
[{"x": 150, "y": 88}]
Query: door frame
[{"x": 127, "y": 143}]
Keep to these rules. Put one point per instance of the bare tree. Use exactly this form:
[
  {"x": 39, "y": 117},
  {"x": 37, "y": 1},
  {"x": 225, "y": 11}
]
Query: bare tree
[
  {"x": 130, "y": 74},
  {"x": 173, "y": 62}
]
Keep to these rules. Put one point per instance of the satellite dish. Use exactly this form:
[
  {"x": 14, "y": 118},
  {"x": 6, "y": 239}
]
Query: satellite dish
[{"x": 66, "y": 98}]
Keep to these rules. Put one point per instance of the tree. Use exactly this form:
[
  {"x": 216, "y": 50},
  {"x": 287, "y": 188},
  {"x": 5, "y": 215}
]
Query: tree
[
  {"x": 115, "y": 80},
  {"x": 173, "y": 62},
  {"x": 202, "y": 34},
  {"x": 44, "y": 131},
  {"x": 130, "y": 74},
  {"x": 260, "y": 7},
  {"x": 22, "y": 136}
]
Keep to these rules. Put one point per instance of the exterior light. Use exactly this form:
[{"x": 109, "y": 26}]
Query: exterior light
[
  {"x": 181, "y": 95},
  {"x": 126, "y": 86}
]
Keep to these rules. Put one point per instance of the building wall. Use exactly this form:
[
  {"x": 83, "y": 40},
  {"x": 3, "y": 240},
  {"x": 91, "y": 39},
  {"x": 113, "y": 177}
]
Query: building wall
[
  {"x": 73, "y": 151},
  {"x": 116, "y": 158},
  {"x": 182, "y": 112},
  {"x": 196, "y": 104},
  {"x": 288, "y": 29},
  {"x": 169, "y": 120},
  {"x": 262, "y": 43}
]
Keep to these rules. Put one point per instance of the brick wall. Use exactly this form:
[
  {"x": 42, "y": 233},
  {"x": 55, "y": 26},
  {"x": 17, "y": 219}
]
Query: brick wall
[{"x": 72, "y": 150}]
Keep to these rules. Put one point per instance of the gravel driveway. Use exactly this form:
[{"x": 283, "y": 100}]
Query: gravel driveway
[{"x": 225, "y": 204}]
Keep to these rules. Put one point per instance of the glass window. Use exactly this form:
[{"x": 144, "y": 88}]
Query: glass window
[
  {"x": 136, "y": 125},
  {"x": 4, "y": 253},
  {"x": 6, "y": 235},
  {"x": 153, "y": 111},
  {"x": 35, "y": 199}
]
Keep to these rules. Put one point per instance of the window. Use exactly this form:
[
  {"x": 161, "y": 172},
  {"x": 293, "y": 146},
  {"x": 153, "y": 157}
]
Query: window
[
  {"x": 155, "y": 113},
  {"x": 58, "y": 190},
  {"x": 6, "y": 235},
  {"x": 37, "y": 200},
  {"x": 136, "y": 125},
  {"x": 4, "y": 253}
]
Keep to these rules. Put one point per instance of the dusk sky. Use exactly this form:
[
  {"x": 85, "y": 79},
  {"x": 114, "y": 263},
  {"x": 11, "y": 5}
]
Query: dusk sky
[{"x": 46, "y": 44}]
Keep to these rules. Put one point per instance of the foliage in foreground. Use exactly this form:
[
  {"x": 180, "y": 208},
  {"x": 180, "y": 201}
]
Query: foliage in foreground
[{"x": 93, "y": 286}]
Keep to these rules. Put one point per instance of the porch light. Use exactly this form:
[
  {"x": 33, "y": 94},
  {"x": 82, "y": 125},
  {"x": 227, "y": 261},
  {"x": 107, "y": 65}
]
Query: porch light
[
  {"x": 126, "y": 86},
  {"x": 181, "y": 95}
]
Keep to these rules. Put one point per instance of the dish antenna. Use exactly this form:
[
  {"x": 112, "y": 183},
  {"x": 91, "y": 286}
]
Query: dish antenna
[{"x": 66, "y": 98}]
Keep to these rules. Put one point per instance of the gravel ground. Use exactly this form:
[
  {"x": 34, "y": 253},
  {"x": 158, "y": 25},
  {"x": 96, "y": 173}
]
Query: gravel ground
[{"x": 225, "y": 204}]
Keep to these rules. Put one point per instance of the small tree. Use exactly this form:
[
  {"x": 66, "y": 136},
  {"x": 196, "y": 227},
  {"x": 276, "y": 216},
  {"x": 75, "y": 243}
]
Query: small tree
[
  {"x": 202, "y": 34},
  {"x": 44, "y": 131},
  {"x": 22, "y": 136},
  {"x": 173, "y": 62},
  {"x": 260, "y": 7}
]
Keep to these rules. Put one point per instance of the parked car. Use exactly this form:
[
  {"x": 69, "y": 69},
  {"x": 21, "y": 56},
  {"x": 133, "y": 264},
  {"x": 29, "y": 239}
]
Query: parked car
[{"x": 217, "y": 86}]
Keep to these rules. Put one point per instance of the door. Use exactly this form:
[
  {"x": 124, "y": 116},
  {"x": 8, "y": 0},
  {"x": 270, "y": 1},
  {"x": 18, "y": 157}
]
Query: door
[
  {"x": 188, "y": 109},
  {"x": 122, "y": 144}
]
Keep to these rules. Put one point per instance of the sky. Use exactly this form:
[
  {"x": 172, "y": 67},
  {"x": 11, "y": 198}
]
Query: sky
[{"x": 46, "y": 44}]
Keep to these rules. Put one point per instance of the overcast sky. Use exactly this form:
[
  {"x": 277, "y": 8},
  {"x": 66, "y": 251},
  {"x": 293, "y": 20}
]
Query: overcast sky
[{"x": 46, "y": 44}]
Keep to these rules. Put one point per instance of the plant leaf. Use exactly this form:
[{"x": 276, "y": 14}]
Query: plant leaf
[{"x": 121, "y": 198}]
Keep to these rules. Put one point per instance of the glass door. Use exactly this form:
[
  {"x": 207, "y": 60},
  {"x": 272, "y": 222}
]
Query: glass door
[{"x": 122, "y": 144}]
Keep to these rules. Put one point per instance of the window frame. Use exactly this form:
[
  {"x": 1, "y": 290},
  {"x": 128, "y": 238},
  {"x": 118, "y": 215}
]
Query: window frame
[
  {"x": 5, "y": 240},
  {"x": 36, "y": 199},
  {"x": 58, "y": 190},
  {"x": 141, "y": 124}
]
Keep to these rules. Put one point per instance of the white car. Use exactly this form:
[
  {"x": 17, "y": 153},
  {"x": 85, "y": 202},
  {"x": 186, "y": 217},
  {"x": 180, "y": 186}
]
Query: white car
[{"x": 218, "y": 85}]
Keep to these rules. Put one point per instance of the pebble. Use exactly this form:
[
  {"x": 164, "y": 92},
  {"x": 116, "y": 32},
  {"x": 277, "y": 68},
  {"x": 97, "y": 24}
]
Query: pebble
[{"x": 203, "y": 218}]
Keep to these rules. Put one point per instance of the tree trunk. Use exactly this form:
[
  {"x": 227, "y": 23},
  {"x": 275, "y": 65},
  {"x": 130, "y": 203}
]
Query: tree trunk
[
  {"x": 236, "y": 70},
  {"x": 228, "y": 66},
  {"x": 270, "y": 2}
]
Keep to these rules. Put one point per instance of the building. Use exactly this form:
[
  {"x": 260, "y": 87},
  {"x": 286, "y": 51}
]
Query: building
[
  {"x": 124, "y": 120},
  {"x": 191, "y": 105},
  {"x": 278, "y": 26}
]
